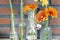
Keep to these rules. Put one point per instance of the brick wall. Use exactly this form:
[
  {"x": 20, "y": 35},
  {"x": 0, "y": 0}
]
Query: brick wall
[
  {"x": 5, "y": 21},
  {"x": 56, "y": 22},
  {"x": 6, "y": 2}
]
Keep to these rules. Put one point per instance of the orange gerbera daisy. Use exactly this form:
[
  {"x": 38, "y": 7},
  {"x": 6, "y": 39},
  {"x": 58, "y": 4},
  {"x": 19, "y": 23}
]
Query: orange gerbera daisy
[
  {"x": 29, "y": 7},
  {"x": 25, "y": 9},
  {"x": 52, "y": 12},
  {"x": 41, "y": 16}
]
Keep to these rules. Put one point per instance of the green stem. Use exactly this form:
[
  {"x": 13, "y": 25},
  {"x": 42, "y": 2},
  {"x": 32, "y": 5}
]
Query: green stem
[
  {"x": 12, "y": 16},
  {"x": 21, "y": 20},
  {"x": 21, "y": 33},
  {"x": 12, "y": 22},
  {"x": 46, "y": 23},
  {"x": 46, "y": 26}
]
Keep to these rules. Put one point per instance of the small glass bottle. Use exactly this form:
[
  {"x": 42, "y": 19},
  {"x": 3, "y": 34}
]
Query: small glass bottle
[{"x": 14, "y": 35}]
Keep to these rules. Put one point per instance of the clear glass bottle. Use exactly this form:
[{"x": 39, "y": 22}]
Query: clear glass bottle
[
  {"x": 14, "y": 35},
  {"x": 45, "y": 33},
  {"x": 31, "y": 31}
]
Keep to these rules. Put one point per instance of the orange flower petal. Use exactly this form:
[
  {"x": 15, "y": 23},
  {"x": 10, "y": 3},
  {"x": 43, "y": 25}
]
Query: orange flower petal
[
  {"x": 25, "y": 9},
  {"x": 41, "y": 16},
  {"x": 29, "y": 7},
  {"x": 52, "y": 12},
  {"x": 32, "y": 6}
]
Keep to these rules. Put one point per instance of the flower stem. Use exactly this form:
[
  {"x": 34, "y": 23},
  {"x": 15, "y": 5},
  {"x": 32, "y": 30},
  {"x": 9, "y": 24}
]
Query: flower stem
[
  {"x": 21, "y": 33},
  {"x": 46, "y": 30},
  {"x": 12, "y": 15},
  {"x": 12, "y": 22},
  {"x": 21, "y": 20}
]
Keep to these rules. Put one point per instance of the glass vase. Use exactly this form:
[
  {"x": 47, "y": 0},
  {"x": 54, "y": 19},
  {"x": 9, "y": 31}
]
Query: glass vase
[
  {"x": 31, "y": 31},
  {"x": 45, "y": 32}
]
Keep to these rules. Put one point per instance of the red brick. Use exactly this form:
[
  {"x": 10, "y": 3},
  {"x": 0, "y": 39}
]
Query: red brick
[
  {"x": 7, "y": 30},
  {"x": 4, "y": 1},
  {"x": 7, "y": 2},
  {"x": 28, "y": 1},
  {"x": 16, "y": 2},
  {"x": 4, "y": 21},
  {"x": 8, "y": 21},
  {"x": 17, "y": 21},
  {"x": 56, "y": 30},
  {"x": 4, "y": 30},
  {"x": 58, "y": 9},
  {"x": 6, "y": 11},
  {"x": 55, "y": 2},
  {"x": 55, "y": 21}
]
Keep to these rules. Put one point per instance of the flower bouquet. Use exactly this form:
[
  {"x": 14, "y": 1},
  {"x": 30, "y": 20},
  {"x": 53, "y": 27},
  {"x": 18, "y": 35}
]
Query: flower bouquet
[{"x": 44, "y": 15}]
